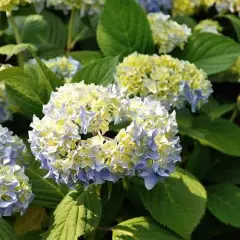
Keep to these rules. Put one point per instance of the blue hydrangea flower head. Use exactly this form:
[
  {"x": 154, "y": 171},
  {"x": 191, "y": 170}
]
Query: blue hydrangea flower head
[
  {"x": 72, "y": 142},
  {"x": 171, "y": 81},
  {"x": 152, "y": 6},
  {"x": 16, "y": 193}
]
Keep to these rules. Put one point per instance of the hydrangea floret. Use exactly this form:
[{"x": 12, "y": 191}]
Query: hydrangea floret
[
  {"x": 208, "y": 25},
  {"x": 73, "y": 141},
  {"x": 167, "y": 34},
  {"x": 15, "y": 190},
  {"x": 171, "y": 81}
]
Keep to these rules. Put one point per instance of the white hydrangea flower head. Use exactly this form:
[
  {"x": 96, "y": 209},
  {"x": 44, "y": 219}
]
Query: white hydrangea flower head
[
  {"x": 208, "y": 25},
  {"x": 167, "y": 34},
  {"x": 171, "y": 81},
  {"x": 15, "y": 190},
  {"x": 72, "y": 140}
]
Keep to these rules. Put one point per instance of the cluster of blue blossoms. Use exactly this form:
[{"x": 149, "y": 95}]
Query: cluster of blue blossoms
[
  {"x": 15, "y": 190},
  {"x": 71, "y": 141},
  {"x": 153, "y": 6}
]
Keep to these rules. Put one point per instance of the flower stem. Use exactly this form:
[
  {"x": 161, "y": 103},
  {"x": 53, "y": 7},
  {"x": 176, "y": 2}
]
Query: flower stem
[
  {"x": 17, "y": 38},
  {"x": 234, "y": 115},
  {"x": 70, "y": 29}
]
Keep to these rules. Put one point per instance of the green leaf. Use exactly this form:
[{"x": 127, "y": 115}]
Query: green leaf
[
  {"x": 100, "y": 72},
  {"x": 6, "y": 231},
  {"x": 47, "y": 193},
  {"x": 32, "y": 220},
  {"x": 14, "y": 49},
  {"x": 236, "y": 24},
  {"x": 86, "y": 57},
  {"x": 18, "y": 87},
  {"x": 224, "y": 203},
  {"x": 199, "y": 162},
  {"x": 33, "y": 29},
  {"x": 214, "y": 110},
  {"x": 178, "y": 203},
  {"x": 124, "y": 32},
  {"x": 48, "y": 51},
  {"x": 220, "y": 134},
  {"x": 225, "y": 171},
  {"x": 142, "y": 228},
  {"x": 49, "y": 79},
  {"x": 78, "y": 214},
  {"x": 211, "y": 52},
  {"x": 187, "y": 20},
  {"x": 36, "y": 82},
  {"x": 56, "y": 31}
]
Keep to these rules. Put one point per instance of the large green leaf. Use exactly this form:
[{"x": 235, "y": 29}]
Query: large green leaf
[
  {"x": 142, "y": 228},
  {"x": 214, "y": 110},
  {"x": 123, "y": 29},
  {"x": 14, "y": 49},
  {"x": 236, "y": 24},
  {"x": 33, "y": 29},
  {"x": 99, "y": 72},
  {"x": 6, "y": 231},
  {"x": 32, "y": 220},
  {"x": 18, "y": 86},
  {"x": 224, "y": 203},
  {"x": 56, "y": 31},
  {"x": 178, "y": 203},
  {"x": 225, "y": 171},
  {"x": 47, "y": 193},
  {"x": 78, "y": 214},
  {"x": 86, "y": 57},
  {"x": 211, "y": 52},
  {"x": 220, "y": 134},
  {"x": 49, "y": 78}
]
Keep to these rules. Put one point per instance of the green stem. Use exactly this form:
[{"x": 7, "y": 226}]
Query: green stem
[
  {"x": 70, "y": 28},
  {"x": 234, "y": 114},
  {"x": 17, "y": 38}
]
